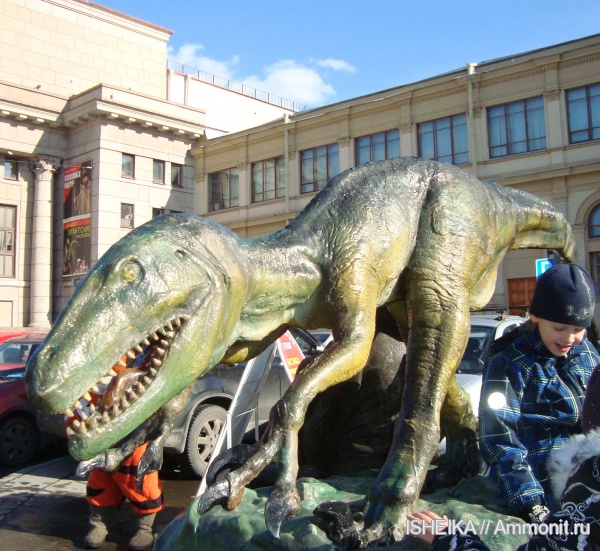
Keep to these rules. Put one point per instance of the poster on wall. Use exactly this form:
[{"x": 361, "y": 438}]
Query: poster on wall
[{"x": 77, "y": 218}]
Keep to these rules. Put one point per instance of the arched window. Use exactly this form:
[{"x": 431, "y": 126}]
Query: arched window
[
  {"x": 594, "y": 222},
  {"x": 594, "y": 246}
]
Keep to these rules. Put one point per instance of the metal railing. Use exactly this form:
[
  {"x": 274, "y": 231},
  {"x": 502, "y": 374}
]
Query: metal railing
[{"x": 236, "y": 87}]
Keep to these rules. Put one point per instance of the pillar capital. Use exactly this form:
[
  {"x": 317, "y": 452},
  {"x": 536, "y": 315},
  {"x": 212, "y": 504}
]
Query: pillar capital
[{"x": 43, "y": 164}]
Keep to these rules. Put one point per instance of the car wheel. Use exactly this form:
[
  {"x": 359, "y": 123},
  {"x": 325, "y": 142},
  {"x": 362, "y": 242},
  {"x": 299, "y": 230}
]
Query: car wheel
[
  {"x": 206, "y": 425},
  {"x": 19, "y": 441}
]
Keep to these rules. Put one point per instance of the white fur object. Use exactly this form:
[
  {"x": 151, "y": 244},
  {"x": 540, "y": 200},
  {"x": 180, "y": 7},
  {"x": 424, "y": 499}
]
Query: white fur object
[{"x": 563, "y": 462}]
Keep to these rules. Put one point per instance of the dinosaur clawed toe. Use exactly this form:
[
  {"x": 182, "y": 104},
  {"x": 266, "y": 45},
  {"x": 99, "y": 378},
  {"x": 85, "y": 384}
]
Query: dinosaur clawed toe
[
  {"x": 224, "y": 492},
  {"x": 283, "y": 502},
  {"x": 343, "y": 524}
]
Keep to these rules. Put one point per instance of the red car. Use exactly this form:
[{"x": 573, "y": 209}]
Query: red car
[{"x": 20, "y": 437}]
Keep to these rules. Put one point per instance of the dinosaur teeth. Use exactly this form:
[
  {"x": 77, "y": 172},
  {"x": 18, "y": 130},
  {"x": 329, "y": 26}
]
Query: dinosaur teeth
[{"x": 86, "y": 416}]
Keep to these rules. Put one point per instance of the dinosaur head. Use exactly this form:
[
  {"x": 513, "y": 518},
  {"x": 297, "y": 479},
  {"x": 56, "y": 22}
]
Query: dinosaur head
[{"x": 158, "y": 306}]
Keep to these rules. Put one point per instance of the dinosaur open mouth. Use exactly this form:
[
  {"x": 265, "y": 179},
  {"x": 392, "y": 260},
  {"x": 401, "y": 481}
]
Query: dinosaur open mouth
[{"x": 125, "y": 381}]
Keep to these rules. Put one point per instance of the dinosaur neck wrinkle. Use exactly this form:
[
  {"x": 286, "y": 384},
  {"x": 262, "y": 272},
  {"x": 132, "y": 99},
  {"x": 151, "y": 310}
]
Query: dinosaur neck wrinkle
[{"x": 290, "y": 271}]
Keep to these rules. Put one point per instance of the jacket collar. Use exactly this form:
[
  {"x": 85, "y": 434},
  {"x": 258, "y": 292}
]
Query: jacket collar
[{"x": 564, "y": 461}]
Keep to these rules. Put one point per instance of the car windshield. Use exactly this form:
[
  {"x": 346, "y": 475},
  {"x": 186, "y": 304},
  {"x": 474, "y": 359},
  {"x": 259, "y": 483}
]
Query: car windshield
[
  {"x": 16, "y": 353},
  {"x": 471, "y": 362}
]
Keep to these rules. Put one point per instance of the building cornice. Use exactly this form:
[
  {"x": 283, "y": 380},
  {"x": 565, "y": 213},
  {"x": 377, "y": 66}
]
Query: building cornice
[{"x": 113, "y": 17}]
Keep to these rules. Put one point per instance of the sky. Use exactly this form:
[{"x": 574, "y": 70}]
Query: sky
[{"x": 321, "y": 52}]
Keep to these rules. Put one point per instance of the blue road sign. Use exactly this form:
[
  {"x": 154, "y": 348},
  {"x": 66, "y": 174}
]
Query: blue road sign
[{"x": 542, "y": 264}]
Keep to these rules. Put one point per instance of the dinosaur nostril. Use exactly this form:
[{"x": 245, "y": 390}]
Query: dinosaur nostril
[{"x": 53, "y": 351}]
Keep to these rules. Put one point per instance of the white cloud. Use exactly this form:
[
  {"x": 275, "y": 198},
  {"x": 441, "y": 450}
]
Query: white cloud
[
  {"x": 188, "y": 55},
  {"x": 336, "y": 65},
  {"x": 286, "y": 78},
  {"x": 293, "y": 81}
]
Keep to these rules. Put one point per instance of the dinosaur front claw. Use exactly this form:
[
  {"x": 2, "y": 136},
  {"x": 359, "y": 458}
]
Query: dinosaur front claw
[
  {"x": 283, "y": 502},
  {"x": 223, "y": 493}
]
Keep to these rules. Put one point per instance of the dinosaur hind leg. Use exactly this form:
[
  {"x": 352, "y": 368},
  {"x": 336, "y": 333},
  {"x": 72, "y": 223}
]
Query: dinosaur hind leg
[{"x": 459, "y": 425}]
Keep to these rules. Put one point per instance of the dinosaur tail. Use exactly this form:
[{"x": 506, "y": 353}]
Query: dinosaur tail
[{"x": 542, "y": 226}]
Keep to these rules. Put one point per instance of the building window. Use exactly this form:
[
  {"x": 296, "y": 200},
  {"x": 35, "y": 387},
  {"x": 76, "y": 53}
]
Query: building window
[
  {"x": 318, "y": 166},
  {"x": 595, "y": 272},
  {"x": 158, "y": 172},
  {"x": 377, "y": 147},
  {"x": 8, "y": 227},
  {"x": 127, "y": 166},
  {"x": 126, "y": 215},
  {"x": 594, "y": 223},
  {"x": 224, "y": 190},
  {"x": 11, "y": 169},
  {"x": 158, "y": 212},
  {"x": 517, "y": 127},
  {"x": 268, "y": 180},
  {"x": 176, "y": 175},
  {"x": 583, "y": 109},
  {"x": 445, "y": 140}
]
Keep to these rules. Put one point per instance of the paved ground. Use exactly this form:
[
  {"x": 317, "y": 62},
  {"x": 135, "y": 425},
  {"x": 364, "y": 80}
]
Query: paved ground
[{"x": 43, "y": 507}]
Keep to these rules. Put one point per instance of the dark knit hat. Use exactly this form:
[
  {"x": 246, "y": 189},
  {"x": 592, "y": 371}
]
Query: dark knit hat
[
  {"x": 590, "y": 414},
  {"x": 564, "y": 294}
]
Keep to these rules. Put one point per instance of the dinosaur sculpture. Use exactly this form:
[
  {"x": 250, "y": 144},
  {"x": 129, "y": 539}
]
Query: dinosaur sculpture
[{"x": 421, "y": 238}]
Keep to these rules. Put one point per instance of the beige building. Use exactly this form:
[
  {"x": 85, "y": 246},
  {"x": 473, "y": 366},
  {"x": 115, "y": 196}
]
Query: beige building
[
  {"x": 99, "y": 133},
  {"x": 95, "y": 135},
  {"x": 530, "y": 121}
]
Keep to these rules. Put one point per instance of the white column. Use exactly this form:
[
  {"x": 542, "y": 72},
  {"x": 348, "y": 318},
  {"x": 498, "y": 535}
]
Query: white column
[{"x": 40, "y": 298}]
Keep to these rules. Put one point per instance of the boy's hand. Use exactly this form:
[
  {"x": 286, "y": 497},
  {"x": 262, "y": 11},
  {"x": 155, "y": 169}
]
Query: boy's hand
[{"x": 427, "y": 518}]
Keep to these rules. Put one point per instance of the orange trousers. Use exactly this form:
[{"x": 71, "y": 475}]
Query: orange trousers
[{"x": 110, "y": 490}]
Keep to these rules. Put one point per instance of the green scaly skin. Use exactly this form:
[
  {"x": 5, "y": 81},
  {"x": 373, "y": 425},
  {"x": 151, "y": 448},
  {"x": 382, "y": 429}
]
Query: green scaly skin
[{"x": 422, "y": 238}]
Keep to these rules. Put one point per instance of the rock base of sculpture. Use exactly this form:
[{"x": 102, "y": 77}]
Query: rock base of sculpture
[{"x": 477, "y": 500}]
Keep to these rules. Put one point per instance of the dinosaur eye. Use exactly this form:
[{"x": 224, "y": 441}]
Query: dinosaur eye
[{"x": 131, "y": 272}]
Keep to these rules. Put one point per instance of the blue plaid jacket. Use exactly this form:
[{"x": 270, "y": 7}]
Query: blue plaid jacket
[{"x": 542, "y": 396}]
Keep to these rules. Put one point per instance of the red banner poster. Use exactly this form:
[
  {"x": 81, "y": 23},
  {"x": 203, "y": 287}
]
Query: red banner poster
[{"x": 77, "y": 219}]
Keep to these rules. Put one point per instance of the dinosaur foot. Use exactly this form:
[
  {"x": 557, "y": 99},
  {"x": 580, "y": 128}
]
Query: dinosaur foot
[
  {"x": 283, "y": 502},
  {"x": 343, "y": 524}
]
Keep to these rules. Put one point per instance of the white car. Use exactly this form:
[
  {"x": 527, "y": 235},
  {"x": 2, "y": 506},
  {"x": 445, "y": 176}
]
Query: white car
[{"x": 485, "y": 328}]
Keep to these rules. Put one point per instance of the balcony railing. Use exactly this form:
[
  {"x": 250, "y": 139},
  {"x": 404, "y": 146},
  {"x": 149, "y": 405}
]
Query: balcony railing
[{"x": 236, "y": 87}]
